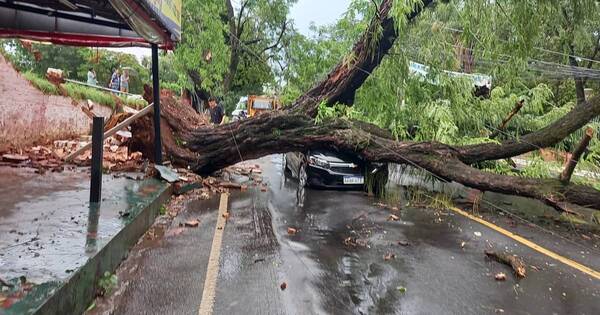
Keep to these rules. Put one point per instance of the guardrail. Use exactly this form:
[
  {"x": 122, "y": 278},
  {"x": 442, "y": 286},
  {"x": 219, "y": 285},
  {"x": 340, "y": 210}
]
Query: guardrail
[{"x": 102, "y": 88}]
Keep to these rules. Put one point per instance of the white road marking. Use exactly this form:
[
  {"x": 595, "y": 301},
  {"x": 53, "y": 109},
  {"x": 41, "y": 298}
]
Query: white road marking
[{"x": 212, "y": 270}]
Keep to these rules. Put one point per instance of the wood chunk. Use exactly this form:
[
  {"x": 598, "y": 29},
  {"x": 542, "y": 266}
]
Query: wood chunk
[
  {"x": 14, "y": 158},
  {"x": 513, "y": 261}
]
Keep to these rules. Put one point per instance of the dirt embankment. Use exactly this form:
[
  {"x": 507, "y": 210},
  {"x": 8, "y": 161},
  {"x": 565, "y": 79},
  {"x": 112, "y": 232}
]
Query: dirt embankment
[{"x": 29, "y": 117}]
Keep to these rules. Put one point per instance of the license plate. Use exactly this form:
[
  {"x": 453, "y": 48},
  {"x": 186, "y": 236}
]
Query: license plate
[{"x": 349, "y": 180}]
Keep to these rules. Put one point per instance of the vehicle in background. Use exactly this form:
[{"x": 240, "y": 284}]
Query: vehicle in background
[
  {"x": 252, "y": 105},
  {"x": 241, "y": 109},
  {"x": 334, "y": 170}
]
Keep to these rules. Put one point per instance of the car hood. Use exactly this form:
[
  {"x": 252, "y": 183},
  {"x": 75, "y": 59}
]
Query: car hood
[{"x": 333, "y": 157}]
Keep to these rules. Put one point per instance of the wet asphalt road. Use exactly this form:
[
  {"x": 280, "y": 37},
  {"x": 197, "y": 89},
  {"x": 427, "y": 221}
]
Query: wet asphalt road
[{"x": 434, "y": 274}]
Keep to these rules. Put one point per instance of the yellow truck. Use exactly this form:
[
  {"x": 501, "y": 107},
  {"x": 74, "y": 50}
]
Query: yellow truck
[{"x": 252, "y": 105}]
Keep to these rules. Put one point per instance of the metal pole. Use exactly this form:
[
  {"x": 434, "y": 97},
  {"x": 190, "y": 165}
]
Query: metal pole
[
  {"x": 156, "y": 92},
  {"x": 97, "y": 148}
]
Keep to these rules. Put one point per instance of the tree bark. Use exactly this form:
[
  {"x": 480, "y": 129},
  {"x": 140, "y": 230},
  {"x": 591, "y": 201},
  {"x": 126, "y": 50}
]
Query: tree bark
[
  {"x": 190, "y": 141},
  {"x": 342, "y": 82},
  {"x": 565, "y": 176},
  {"x": 506, "y": 120}
]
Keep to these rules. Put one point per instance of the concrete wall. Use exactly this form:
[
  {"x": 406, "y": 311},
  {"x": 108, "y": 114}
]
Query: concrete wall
[{"x": 29, "y": 117}]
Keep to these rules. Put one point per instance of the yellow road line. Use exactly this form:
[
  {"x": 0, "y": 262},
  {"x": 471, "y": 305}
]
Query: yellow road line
[
  {"x": 212, "y": 270},
  {"x": 530, "y": 244}
]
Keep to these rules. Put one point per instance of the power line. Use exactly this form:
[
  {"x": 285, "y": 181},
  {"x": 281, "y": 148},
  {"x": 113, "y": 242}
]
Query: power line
[{"x": 535, "y": 47}]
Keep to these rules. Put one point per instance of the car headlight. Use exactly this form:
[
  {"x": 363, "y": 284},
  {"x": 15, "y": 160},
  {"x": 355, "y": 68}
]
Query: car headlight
[{"x": 313, "y": 160}]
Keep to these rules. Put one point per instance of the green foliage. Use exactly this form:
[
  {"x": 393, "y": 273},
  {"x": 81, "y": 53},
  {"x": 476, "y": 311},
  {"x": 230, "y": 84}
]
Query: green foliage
[
  {"x": 75, "y": 62},
  {"x": 107, "y": 283},
  {"x": 41, "y": 83},
  {"x": 81, "y": 92},
  {"x": 326, "y": 112},
  {"x": 173, "y": 86}
]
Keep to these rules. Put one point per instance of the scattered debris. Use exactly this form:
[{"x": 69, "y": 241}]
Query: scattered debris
[
  {"x": 14, "y": 158},
  {"x": 462, "y": 244},
  {"x": 291, "y": 231},
  {"x": 393, "y": 217},
  {"x": 192, "y": 223},
  {"x": 390, "y": 207},
  {"x": 175, "y": 231},
  {"x": 478, "y": 234},
  {"x": 283, "y": 286},
  {"x": 167, "y": 173},
  {"x": 513, "y": 261},
  {"x": 401, "y": 289},
  {"x": 355, "y": 242},
  {"x": 226, "y": 215},
  {"x": 403, "y": 243},
  {"x": 389, "y": 256},
  {"x": 501, "y": 276}
]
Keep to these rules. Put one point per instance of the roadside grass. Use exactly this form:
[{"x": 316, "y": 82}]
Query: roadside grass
[
  {"x": 41, "y": 83},
  {"x": 81, "y": 93}
]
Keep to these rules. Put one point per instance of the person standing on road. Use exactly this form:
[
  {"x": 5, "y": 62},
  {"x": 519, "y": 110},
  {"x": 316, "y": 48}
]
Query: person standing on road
[
  {"x": 125, "y": 81},
  {"x": 115, "y": 79},
  {"x": 216, "y": 111},
  {"x": 91, "y": 77}
]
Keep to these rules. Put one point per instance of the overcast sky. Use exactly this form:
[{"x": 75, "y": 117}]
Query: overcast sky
[
  {"x": 304, "y": 12},
  {"x": 321, "y": 12}
]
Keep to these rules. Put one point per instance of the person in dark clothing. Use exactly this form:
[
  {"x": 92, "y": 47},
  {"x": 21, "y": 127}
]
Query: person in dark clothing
[{"x": 216, "y": 111}]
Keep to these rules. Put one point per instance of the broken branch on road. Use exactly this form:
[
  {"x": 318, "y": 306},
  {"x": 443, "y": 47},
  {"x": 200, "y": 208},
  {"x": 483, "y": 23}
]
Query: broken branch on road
[{"x": 513, "y": 261}]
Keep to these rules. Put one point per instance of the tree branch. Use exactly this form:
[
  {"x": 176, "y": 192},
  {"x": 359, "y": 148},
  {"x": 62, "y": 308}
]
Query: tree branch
[
  {"x": 548, "y": 136},
  {"x": 342, "y": 82},
  {"x": 283, "y": 29}
]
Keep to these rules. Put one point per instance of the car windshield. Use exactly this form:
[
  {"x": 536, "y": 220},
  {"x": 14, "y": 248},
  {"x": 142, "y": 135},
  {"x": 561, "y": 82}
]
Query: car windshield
[{"x": 262, "y": 104}]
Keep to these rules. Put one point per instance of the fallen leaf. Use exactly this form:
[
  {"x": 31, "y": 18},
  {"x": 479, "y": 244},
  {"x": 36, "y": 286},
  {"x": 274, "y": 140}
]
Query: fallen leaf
[
  {"x": 401, "y": 289},
  {"x": 291, "y": 231},
  {"x": 585, "y": 237},
  {"x": 283, "y": 286},
  {"x": 501, "y": 276},
  {"x": 393, "y": 217},
  {"x": 192, "y": 223},
  {"x": 389, "y": 256},
  {"x": 362, "y": 242}
]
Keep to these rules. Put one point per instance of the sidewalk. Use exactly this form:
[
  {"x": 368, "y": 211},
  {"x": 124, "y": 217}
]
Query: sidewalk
[{"x": 54, "y": 246}]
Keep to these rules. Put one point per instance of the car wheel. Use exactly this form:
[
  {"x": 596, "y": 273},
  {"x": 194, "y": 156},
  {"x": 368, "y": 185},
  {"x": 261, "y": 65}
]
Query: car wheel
[{"x": 302, "y": 176}]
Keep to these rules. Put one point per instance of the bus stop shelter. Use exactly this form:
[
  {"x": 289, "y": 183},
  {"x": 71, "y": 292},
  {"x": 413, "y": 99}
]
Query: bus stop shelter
[{"x": 101, "y": 23}]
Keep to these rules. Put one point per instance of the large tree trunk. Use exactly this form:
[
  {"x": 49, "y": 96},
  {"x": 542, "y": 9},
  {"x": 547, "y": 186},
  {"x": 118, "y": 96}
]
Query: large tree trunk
[{"x": 190, "y": 142}]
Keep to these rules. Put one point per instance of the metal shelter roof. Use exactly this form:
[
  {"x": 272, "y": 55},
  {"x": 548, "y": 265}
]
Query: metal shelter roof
[{"x": 101, "y": 23}]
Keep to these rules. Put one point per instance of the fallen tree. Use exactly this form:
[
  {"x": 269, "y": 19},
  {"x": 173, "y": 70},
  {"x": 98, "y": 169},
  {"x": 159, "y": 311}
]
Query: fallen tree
[{"x": 189, "y": 142}]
